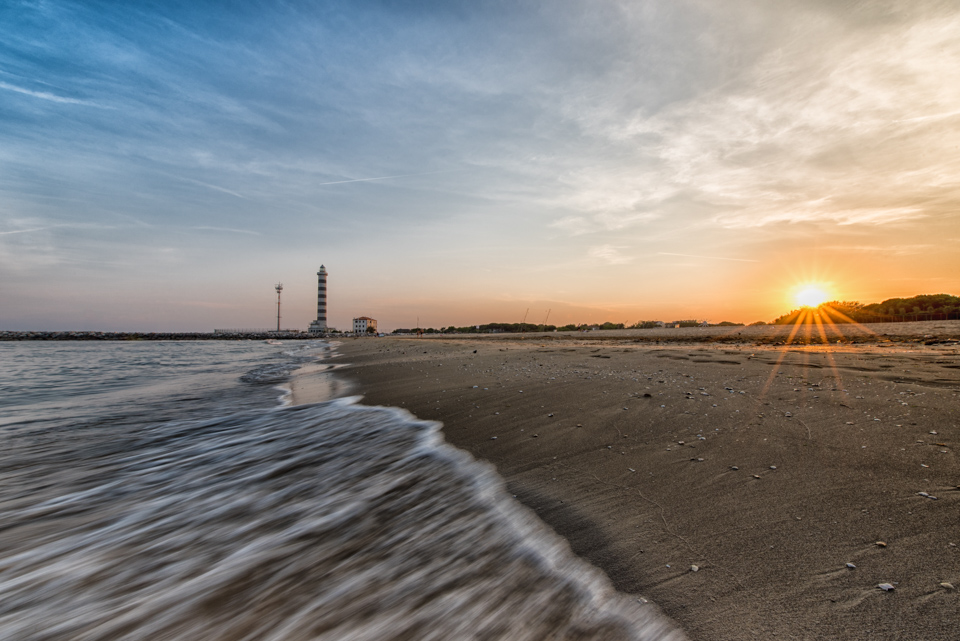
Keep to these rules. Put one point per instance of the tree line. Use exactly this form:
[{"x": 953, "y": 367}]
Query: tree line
[
  {"x": 519, "y": 328},
  {"x": 924, "y": 307}
]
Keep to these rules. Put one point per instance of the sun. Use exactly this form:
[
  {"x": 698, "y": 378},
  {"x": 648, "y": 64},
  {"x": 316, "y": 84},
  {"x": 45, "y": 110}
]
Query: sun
[{"x": 811, "y": 296}]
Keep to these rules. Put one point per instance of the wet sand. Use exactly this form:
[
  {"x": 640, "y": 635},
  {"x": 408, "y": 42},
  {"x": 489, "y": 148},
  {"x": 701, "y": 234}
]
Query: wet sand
[{"x": 768, "y": 466}]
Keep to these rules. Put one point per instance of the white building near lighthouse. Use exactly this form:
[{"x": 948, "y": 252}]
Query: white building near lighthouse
[
  {"x": 362, "y": 324},
  {"x": 319, "y": 326}
]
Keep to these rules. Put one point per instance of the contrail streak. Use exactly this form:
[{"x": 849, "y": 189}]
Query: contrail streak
[
  {"x": 360, "y": 180},
  {"x": 24, "y": 231},
  {"x": 228, "y": 229},
  {"x": 207, "y": 185},
  {"x": 43, "y": 95}
]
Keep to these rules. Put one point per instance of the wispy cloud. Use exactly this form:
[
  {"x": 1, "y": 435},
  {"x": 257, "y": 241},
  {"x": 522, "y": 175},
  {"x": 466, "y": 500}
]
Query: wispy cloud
[
  {"x": 609, "y": 254},
  {"x": 943, "y": 116},
  {"x": 30, "y": 230},
  {"x": 857, "y": 131},
  {"x": 43, "y": 95},
  {"x": 25, "y": 231},
  {"x": 884, "y": 249},
  {"x": 574, "y": 225},
  {"x": 209, "y": 186},
  {"x": 586, "y": 141},
  {"x": 231, "y": 230},
  {"x": 360, "y": 180},
  {"x": 739, "y": 260}
]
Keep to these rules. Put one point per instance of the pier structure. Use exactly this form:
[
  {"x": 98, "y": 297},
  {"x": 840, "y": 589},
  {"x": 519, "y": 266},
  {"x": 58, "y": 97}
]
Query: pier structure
[{"x": 319, "y": 326}]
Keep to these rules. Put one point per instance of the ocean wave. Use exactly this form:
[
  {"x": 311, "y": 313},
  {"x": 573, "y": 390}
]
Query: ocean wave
[
  {"x": 326, "y": 521},
  {"x": 270, "y": 373}
]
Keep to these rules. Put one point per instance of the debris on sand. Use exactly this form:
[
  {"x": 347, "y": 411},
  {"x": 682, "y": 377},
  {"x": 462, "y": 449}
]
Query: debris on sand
[{"x": 886, "y": 587}]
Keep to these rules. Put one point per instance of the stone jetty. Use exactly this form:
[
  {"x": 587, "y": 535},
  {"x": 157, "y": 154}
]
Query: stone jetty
[{"x": 155, "y": 336}]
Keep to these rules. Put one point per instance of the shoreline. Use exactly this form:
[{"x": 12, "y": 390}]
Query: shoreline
[
  {"x": 769, "y": 469},
  {"x": 14, "y": 336},
  {"x": 926, "y": 332}
]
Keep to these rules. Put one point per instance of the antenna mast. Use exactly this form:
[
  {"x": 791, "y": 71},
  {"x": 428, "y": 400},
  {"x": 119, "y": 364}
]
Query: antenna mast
[{"x": 279, "y": 288}]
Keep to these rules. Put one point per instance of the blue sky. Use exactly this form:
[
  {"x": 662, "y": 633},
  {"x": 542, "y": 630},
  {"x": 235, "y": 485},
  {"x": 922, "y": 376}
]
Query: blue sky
[{"x": 162, "y": 165}]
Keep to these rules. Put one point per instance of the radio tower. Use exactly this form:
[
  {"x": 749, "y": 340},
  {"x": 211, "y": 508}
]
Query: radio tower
[{"x": 279, "y": 289}]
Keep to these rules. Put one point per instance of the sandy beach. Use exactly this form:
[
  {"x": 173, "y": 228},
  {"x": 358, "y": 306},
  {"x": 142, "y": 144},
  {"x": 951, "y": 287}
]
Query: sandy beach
[{"x": 749, "y": 487}]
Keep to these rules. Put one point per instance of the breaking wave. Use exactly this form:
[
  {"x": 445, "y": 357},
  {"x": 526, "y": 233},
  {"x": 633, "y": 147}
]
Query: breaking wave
[{"x": 325, "y": 521}]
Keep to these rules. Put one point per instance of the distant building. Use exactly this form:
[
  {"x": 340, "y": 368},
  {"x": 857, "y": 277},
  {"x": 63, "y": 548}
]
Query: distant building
[
  {"x": 362, "y": 324},
  {"x": 319, "y": 326}
]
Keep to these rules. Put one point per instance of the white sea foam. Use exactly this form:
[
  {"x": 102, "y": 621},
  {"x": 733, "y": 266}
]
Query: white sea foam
[
  {"x": 327, "y": 521},
  {"x": 131, "y": 507}
]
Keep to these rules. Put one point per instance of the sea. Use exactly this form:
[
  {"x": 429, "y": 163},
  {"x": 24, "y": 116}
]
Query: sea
[{"x": 171, "y": 490}]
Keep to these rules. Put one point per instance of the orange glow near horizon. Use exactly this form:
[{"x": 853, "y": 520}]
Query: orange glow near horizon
[
  {"x": 811, "y": 295},
  {"x": 826, "y": 320}
]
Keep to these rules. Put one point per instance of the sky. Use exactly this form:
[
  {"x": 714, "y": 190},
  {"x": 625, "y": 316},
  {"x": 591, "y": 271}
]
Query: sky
[{"x": 163, "y": 165}]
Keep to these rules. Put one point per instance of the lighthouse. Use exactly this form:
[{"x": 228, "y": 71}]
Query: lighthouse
[{"x": 319, "y": 326}]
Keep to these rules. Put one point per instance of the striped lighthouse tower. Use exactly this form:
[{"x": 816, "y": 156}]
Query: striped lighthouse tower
[{"x": 319, "y": 326}]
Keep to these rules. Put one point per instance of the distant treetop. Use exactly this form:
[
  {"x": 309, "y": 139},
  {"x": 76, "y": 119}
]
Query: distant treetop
[{"x": 917, "y": 308}]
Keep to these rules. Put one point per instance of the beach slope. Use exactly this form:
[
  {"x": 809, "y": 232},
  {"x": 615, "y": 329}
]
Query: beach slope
[{"x": 748, "y": 487}]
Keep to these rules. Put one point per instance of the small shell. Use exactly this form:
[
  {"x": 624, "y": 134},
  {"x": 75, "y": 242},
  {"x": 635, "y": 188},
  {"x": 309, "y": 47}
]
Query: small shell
[
  {"x": 851, "y": 566},
  {"x": 881, "y": 544},
  {"x": 886, "y": 587}
]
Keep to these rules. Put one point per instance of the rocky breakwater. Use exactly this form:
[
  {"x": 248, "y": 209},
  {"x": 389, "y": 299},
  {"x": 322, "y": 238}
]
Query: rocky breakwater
[{"x": 154, "y": 336}]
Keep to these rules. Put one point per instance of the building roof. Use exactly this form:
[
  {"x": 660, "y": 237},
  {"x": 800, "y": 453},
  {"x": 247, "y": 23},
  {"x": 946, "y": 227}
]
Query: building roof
[{"x": 364, "y": 318}]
